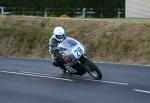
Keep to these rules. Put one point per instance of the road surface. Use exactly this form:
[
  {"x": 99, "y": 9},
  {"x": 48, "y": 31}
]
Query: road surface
[{"x": 37, "y": 81}]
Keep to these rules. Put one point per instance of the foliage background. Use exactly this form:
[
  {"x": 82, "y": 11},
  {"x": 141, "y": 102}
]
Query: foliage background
[
  {"x": 108, "y": 8},
  {"x": 114, "y": 40}
]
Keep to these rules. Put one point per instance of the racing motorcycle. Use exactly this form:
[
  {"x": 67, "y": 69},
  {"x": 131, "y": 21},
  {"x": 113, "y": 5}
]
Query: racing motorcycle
[{"x": 75, "y": 60}]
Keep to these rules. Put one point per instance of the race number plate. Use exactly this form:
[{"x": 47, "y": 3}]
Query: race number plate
[{"x": 78, "y": 52}]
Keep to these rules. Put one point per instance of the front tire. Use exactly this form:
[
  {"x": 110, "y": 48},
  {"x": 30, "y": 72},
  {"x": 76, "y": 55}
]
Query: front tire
[{"x": 92, "y": 69}]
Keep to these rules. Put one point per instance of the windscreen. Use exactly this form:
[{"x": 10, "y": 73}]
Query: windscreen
[{"x": 68, "y": 43}]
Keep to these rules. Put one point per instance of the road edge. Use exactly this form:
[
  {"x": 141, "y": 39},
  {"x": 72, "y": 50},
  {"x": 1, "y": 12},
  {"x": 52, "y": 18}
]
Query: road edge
[{"x": 101, "y": 62}]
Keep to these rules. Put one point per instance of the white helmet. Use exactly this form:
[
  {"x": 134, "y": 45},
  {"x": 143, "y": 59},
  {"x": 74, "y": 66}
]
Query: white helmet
[{"x": 59, "y": 33}]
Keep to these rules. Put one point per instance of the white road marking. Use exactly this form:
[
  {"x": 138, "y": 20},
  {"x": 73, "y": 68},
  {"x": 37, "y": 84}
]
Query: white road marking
[
  {"x": 120, "y": 83},
  {"x": 111, "y": 82},
  {"x": 53, "y": 77},
  {"x": 143, "y": 91},
  {"x": 37, "y": 75}
]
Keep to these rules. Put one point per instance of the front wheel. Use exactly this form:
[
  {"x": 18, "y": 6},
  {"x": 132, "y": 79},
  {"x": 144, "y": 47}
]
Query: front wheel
[
  {"x": 92, "y": 69},
  {"x": 95, "y": 72}
]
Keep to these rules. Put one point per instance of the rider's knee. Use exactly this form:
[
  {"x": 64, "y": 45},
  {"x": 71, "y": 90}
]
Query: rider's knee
[{"x": 55, "y": 64}]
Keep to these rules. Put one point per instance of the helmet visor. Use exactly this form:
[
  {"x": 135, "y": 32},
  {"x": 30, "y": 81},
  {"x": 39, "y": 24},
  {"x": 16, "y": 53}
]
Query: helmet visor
[{"x": 59, "y": 36}]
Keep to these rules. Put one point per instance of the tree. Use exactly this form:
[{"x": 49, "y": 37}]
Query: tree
[{"x": 107, "y": 8}]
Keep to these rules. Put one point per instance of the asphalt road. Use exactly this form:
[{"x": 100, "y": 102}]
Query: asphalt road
[{"x": 37, "y": 81}]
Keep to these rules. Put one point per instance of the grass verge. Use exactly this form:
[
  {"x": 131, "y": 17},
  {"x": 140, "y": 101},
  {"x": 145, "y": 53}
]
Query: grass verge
[{"x": 114, "y": 40}]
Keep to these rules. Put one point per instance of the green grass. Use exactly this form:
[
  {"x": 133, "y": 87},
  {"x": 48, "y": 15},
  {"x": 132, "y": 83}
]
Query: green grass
[
  {"x": 115, "y": 40},
  {"x": 113, "y": 20}
]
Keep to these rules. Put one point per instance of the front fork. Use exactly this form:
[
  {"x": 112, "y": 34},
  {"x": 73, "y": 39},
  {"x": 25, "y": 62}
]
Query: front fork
[{"x": 84, "y": 62}]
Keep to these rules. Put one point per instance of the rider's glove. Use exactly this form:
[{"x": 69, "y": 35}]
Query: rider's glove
[{"x": 56, "y": 53}]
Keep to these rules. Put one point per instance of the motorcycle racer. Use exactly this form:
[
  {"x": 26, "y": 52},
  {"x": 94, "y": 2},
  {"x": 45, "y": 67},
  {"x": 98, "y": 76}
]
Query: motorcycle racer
[
  {"x": 70, "y": 55},
  {"x": 58, "y": 36}
]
